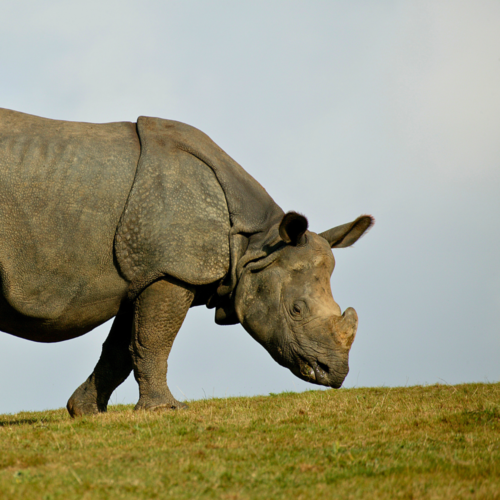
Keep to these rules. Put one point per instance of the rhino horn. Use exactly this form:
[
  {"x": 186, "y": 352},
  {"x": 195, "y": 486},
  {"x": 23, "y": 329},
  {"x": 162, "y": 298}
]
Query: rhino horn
[{"x": 347, "y": 234}]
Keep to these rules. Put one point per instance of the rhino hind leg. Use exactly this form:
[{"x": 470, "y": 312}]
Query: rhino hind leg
[
  {"x": 113, "y": 367},
  {"x": 159, "y": 313}
]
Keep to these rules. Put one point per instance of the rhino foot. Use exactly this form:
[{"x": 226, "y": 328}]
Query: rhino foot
[
  {"x": 79, "y": 409},
  {"x": 84, "y": 401},
  {"x": 160, "y": 404}
]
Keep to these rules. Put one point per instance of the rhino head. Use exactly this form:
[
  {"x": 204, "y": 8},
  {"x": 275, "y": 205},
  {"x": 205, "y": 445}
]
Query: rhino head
[{"x": 284, "y": 300}]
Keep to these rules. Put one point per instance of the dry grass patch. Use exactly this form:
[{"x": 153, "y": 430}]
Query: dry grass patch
[{"x": 417, "y": 442}]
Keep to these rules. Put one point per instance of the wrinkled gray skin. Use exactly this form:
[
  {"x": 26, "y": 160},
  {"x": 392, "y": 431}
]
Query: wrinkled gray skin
[{"x": 142, "y": 221}]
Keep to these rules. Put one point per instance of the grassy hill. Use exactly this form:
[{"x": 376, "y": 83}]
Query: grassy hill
[{"x": 415, "y": 443}]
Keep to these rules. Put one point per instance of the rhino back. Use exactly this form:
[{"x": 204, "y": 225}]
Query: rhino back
[{"x": 63, "y": 188}]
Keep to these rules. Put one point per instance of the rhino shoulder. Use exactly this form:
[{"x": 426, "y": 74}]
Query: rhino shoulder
[{"x": 176, "y": 221}]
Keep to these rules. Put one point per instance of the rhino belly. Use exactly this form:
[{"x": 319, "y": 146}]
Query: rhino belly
[{"x": 82, "y": 314}]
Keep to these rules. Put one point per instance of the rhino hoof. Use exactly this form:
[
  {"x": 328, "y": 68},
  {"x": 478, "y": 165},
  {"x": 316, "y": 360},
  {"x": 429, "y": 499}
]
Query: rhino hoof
[
  {"x": 171, "y": 405},
  {"x": 79, "y": 409}
]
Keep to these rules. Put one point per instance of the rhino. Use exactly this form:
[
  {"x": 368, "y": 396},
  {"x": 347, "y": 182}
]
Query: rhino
[{"x": 142, "y": 221}]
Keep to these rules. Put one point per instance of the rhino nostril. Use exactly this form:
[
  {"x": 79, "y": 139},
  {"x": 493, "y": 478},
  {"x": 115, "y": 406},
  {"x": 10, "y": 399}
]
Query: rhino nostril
[{"x": 324, "y": 367}]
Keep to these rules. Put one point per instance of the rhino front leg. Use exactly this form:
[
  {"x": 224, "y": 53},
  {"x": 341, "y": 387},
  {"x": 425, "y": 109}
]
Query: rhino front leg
[
  {"x": 113, "y": 367},
  {"x": 158, "y": 316}
]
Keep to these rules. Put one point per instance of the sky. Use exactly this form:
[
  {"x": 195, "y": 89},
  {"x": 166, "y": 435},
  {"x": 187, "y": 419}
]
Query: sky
[{"x": 342, "y": 108}]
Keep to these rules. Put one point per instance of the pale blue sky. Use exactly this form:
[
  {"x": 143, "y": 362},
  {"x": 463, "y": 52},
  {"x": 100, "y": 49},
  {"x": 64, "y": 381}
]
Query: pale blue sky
[{"x": 337, "y": 108}]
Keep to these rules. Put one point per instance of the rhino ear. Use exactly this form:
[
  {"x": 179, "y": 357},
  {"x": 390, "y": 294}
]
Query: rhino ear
[
  {"x": 347, "y": 234},
  {"x": 292, "y": 228}
]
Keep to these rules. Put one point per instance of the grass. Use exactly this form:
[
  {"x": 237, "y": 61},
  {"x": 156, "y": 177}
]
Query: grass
[{"x": 419, "y": 442}]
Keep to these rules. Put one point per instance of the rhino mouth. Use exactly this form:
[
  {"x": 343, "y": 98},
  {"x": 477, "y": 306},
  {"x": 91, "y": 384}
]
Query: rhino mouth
[{"x": 316, "y": 373}]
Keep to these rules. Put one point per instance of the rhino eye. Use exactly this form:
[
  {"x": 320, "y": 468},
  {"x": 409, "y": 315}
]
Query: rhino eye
[{"x": 298, "y": 310}]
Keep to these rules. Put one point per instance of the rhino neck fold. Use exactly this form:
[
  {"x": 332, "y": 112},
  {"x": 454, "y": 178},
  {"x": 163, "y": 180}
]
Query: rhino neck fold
[{"x": 256, "y": 252}]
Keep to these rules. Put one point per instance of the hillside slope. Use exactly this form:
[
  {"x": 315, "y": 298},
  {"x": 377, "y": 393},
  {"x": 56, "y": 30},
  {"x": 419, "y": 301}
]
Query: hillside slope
[{"x": 422, "y": 442}]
